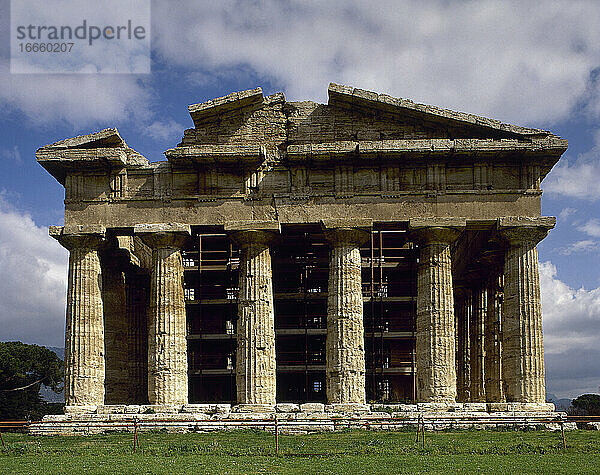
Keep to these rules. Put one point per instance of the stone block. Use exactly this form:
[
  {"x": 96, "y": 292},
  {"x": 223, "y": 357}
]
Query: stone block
[
  {"x": 198, "y": 408},
  {"x": 147, "y": 416},
  {"x": 475, "y": 407},
  {"x": 287, "y": 416},
  {"x": 432, "y": 406},
  {"x": 349, "y": 407},
  {"x": 176, "y": 417},
  {"x": 132, "y": 409},
  {"x": 111, "y": 409},
  {"x": 258, "y": 408},
  {"x": 88, "y": 409},
  {"x": 497, "y": 406},
  {"x": 255, "y": 416},
  {"x": 314, "y": 416},
  {"x": 88, "y": 417},
  {"x": 376, "y": 415},
  {"x": 287, "y": 407},
  {"x": 312, "y": 407},
  {"x": 55, "y": 418},
  {"x": 406, "y": 415},
  {"x": 159, "y": 408},
  {"x": 200, "y": 417},
  {"x": 530, "y": 406}
]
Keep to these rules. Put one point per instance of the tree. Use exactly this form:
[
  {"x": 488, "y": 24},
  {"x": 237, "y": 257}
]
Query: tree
[
  {"x": 587, "y": 405},
  {"x": 23, "y": 369}
]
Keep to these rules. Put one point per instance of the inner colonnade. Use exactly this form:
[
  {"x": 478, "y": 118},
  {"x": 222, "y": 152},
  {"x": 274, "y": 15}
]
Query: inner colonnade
[{"x": 344, "y": 311}]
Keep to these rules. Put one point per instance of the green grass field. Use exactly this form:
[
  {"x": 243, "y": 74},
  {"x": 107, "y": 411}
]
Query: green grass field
[{"x": 342, "y": 452}]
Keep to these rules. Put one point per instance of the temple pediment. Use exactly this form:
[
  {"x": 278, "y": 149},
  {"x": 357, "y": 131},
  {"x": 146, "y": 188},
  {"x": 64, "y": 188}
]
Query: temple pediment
[
  {"x": 442, "y": 119},
  {"x": 354, "y": 123}
]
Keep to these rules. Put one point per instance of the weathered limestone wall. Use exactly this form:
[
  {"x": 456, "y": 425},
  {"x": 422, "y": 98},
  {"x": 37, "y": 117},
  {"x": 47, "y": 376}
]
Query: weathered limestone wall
[
  {"x": 303, "y": 209},
  {"x": 435, "y": 340},
  {"x": 523, "y": 351},
  {"x": 345, "y": 349},
  {"x": 84, "y": 340},
  {"x": 167, "y": 343},
  {"x": 303, "y": 418},
  {"x": 116, "y": 332},
  {"x": 255, "y": 355}
]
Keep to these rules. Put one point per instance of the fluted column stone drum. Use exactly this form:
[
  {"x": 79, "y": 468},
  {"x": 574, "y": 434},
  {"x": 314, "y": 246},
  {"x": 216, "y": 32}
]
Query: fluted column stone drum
[
  {"x": 523, "y": 349},
  {"x": 167, "y": 343},
  {"x": 255, "y": 358},
  {"x": 345, "y": 347},
  {"x": 84, "y": 335},
  {"x": 435, "y": 338}
]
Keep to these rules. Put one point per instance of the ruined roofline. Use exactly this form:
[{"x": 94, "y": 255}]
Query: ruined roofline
[
  {"x": 208, "y": 153},
  {"x": 340, "y": 94},
  {"x": 232, "y": 101},
  {"x": 105, "y": 149},
  {"x": 109, "y": 137}
]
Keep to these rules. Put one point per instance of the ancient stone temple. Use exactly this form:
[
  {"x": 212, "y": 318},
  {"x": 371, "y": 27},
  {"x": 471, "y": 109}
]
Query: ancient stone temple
[{"x": 367, "y": 250}]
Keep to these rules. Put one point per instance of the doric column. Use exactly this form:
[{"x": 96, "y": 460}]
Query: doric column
[
  {"x": 463, "y": 316},
  {"x": 84, "y": 336},
  {"x": 115, "y": 331},
  {"x": 345, "y": 346},
  {"x": 167, "y": 344},
  {"x": 479, "y": 317},
  {"x": 522, "y": 346},
  {"x": 493, "y": 387},
  {"x": 255, "y": 356},
  {"x": 436, "y": 339}
]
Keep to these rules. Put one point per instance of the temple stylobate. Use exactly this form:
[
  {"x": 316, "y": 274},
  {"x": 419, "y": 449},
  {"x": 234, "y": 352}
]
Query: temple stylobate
[{"x": 370, "y": 249}]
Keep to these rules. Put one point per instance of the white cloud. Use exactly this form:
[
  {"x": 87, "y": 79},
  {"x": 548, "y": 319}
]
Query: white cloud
[
  {"x": 33, "y": 287},
  {"x": 519, "y": 61},
  {"x": 585, "y": 245},
  {"x": 565, "y": 213},
  {"x": 571, "y": 329},
  {"x": 77, "y": 100},
  {"x": 164, "y": 130},
  {"x": 576, "y": 179},
  {"x": 591, "y": 228},
  {"x": 12, "y": 154}
]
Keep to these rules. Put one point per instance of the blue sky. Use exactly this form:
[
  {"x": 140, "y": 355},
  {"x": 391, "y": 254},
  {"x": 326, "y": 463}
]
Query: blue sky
[{"x": 529, "y": 63}]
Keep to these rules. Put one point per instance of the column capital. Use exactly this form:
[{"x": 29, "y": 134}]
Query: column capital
[
  {"x": 518, "y": 230},
  {"x": 347, "y": 231},
  {"x": 519, "y": 235},
  {"x": 80, "y": 237},
  {"x": 246, "y": 233},
  {"x": 435, "y": 234},
  {"x": 436, "y": 230},
  {"x": 163, "y": 236}
]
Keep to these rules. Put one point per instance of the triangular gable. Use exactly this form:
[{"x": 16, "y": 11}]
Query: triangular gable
[
  {"x": 347, "y": 96},
  {"x": 204, "y": 111},
  {"x": 107, "y": 138}
]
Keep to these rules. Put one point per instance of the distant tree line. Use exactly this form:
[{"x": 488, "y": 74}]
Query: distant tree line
[
  {"x": 23, "y": 370},
  {"x": 585, "y": 405}
]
